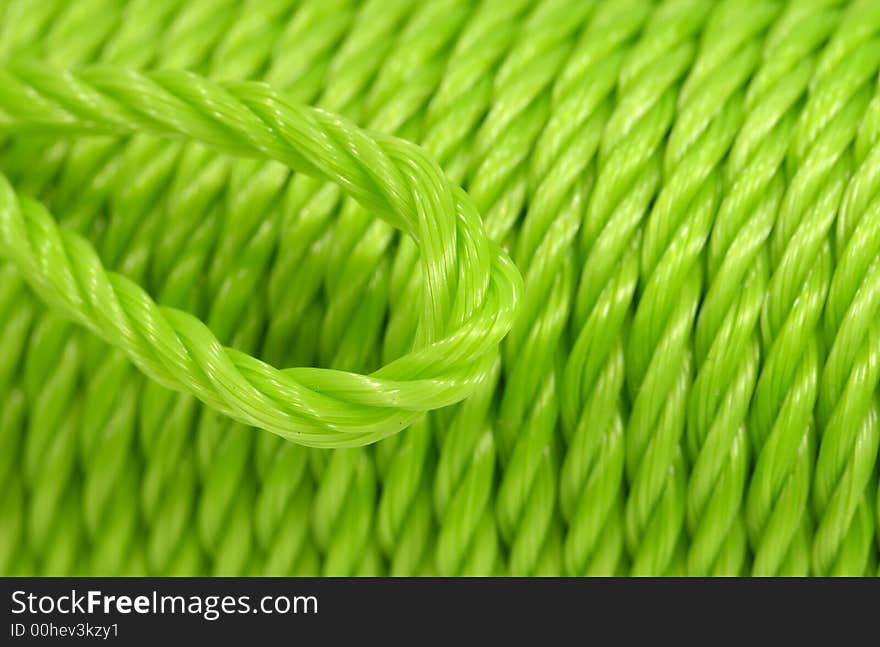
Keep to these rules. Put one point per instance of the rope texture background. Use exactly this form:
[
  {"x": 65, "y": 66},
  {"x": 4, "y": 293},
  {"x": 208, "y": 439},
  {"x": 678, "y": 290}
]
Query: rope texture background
[{"x": 589, "y": 287}]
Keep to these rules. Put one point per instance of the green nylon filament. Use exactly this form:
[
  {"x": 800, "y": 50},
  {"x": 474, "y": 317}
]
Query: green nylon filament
[{"x": 395, "y": 287}]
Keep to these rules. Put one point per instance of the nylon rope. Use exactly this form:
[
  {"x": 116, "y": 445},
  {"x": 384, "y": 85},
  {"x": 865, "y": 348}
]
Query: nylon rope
[{"x": 369, "y": 287}]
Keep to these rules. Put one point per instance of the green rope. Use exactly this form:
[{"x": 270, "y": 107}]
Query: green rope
[
  {"x": 470, "y": 286},
  {"x": 684, "y": 380}
]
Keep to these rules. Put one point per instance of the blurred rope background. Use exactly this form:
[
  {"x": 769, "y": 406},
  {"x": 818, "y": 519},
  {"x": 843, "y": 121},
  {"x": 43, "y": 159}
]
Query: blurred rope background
[{"x": 690, "y": 190}]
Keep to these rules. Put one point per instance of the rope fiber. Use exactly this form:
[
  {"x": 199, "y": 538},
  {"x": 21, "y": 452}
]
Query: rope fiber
[{"x": 459, "y": 287}]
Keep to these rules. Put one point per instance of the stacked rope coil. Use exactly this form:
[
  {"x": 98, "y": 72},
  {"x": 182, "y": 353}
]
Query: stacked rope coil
[{"x": 447, "y": 288}]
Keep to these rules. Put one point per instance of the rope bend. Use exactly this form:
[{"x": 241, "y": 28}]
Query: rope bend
[{"x": 470, "y": 289}]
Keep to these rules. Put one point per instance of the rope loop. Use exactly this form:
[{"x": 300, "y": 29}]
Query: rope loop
[{"x": 470, "y": 287}]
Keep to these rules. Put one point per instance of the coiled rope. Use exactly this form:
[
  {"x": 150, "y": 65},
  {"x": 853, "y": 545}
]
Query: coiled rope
[{"x": 684, "y": 381}]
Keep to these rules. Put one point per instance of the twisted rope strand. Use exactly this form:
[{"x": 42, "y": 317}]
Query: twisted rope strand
[
  {"x": 249, "y": 189},
  {"x": 747, "y": 215},
  {"x": 628, "y": 175},
  {"x": 846, "y": 410},
  {"x": 168, "y": 344},
  {"x": 787, "y": 387},
  {"x": 718, "y": 402},
  {"x": 355, "y": 291},
  {"x": 689, "y": 386},
  {"x": 467, "y": 541},
  {"x": 53, "y": 477},
  {"x": 528, "y": 410},
  {"x": 286, "y": 491},
  {"x": 110, "y": 463},
  {"x": 591, "y": 478}
]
